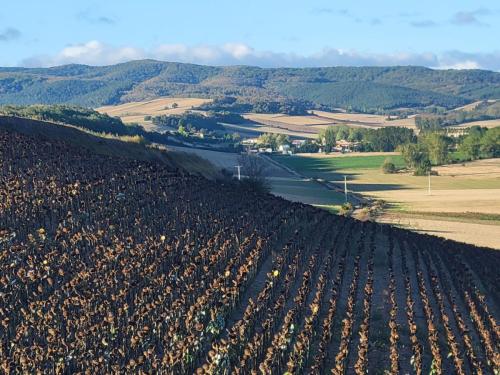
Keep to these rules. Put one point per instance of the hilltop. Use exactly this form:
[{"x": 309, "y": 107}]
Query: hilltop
[{"x": 360, "y": 88}]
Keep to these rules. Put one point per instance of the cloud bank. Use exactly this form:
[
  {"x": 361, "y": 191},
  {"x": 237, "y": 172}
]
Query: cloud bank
[{"x": 98, "y": 53}]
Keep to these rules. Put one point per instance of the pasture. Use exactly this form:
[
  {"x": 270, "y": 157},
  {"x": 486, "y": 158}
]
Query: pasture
[{"x": 326, "y": 166}]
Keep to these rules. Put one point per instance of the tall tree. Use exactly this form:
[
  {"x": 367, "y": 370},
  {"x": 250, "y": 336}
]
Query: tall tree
[{"x": 436, "y": 146}]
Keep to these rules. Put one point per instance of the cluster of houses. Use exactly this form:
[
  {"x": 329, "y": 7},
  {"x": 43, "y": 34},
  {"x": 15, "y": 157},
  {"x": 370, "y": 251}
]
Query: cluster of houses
[{"x": 295, "y": 145}]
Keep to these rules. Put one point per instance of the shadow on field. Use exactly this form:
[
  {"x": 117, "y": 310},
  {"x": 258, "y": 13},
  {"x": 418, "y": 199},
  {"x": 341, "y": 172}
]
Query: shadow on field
[
  {"x": 430, "y": 231},
  {"x": 372, "y": 187}
]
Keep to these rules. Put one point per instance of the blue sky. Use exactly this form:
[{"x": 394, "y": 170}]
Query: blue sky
[{"x": 438, "y": 33}]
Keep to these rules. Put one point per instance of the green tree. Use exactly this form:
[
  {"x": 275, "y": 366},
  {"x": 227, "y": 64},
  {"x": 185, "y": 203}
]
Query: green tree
[
  {"x": 328, "y": 138},
  {"x": 182, "y": 131},
  {"x": 416, "y": 158},
  {"x": 470, "y": 147},
  {"x": 282, "y": 139},
  {"x": 342, "y": 133},
  {"x": 355, "y": 135},
  {"x": 268, "y": 140},
  {"x": 490, "y": 143},
  {"x": 436, "y": 145}
]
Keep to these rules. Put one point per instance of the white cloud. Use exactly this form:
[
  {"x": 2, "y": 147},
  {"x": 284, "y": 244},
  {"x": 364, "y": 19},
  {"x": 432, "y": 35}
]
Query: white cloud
[
  {"x": 465, "y": 60},
  {"x": 97, "y": 53},
  {"x": 467, "y": 64},
  {"x": 91, "y": 53}
]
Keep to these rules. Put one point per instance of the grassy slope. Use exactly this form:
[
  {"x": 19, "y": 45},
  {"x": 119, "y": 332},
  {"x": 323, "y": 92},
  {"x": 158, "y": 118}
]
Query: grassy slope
[{"x": 116, "y": 147}]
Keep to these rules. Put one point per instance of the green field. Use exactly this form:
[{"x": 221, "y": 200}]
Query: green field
[
  {"x": 311, "y": 165},
  {"x": 307, "y": 191},
  {"x": 364, "y": 174}
]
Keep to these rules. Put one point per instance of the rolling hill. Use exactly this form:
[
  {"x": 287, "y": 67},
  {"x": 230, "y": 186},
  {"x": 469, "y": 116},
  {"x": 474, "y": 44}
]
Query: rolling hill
[
  {"x": 113, "y": 264},
  {"x": 362, "y": 88}
]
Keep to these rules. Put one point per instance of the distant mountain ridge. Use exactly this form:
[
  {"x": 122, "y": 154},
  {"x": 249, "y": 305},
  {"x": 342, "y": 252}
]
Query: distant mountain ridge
[{"x": 362, "y": 88}]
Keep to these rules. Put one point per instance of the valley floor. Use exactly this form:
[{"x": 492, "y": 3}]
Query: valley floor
[{"x": 464, "y": 204}]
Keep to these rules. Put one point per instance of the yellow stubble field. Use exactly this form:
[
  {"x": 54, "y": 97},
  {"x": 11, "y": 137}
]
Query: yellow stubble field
[{"x": 134, "y": 112}]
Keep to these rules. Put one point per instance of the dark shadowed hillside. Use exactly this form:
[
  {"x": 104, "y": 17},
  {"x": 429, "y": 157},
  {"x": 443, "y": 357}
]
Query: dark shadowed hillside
[
  {"x": 120, "y": 265},
  {"x": 363, "y": 88}
]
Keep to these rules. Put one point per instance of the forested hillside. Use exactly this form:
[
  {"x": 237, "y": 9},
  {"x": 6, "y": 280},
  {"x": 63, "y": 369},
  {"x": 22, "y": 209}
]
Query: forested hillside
[{"x": 363, "y": 88}]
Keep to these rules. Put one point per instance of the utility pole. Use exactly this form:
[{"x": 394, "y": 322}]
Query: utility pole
[
  {"x": 345, "y": 188},
  {"x": 239, "y": 171},
  {"x": 429, "y": 188}
]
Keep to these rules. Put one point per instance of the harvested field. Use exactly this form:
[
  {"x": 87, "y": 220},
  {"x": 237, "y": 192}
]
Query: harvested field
[
  {"x": 479, "y": 234},
  {"x": 287, "y": 119},
  {"x": 486, "y": 124},
  {"x": 135, "y": 111},
  {"x": 253, "y": 130},
  {"x": 110, "y": 265},
  {"x": 442, "y": 200},
  {"x": 473, "y": 106},
  {"x": 365, "y": 120},
  {"x": 309, "y": 126}
]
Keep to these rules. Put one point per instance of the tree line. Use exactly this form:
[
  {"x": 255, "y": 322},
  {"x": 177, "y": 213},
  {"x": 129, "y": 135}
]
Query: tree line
[
  {"x": 380, "y": 140},
  {"x": 247, "y": 104},
  {"x": 436, "y": 148},
  {"x": 435, "y": 121}
]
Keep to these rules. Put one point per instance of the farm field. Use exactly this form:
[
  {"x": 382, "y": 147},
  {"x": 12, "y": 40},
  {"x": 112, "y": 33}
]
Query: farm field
[
  {"x": 135, "y": 111},
  {"x": 300, "y": 126},
  {"x": 327, "y": 164},
  {"x": 282, "y": 183},
  {"x": 306, "y": 191},
  {"x": 485, "y": 124},
  {"x": 470, "y": 188},
  {"x": 481, "y": 233},
  {"x": 472, "y": 106},
  {"x": 128, "y": 266},
  {"x": 309, "y": 126},
  {"x": 364, "y": 120},
  {"x": 253, "y": 130}
]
